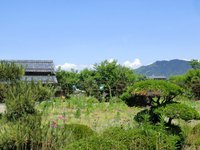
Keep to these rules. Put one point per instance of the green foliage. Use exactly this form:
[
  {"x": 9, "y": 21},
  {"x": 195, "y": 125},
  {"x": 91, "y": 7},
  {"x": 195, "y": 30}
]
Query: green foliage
[
  {"x": 154, "y": 90},
  {"x": 25, "y": 133},
  {"x": 195, "y": 64},
  {"x": 196, "y": 129},
  {"x": 20, "y": 100},
  {"x": 77, "y": 113},
  {"x": 79, "y": 131},
  {"x": 192, "y": 81},
  {"x": 106, "y": 80},
  {"x": 193, "y": 138},
  {"x": 10, "y": 71},
  {"x": 143, "y": 137},
  {"x": 96, "y": 143},
  {"x": 67, "y": 80},
  {"x": 88, "y": 83},
  {"x": 21, "y": 97},
  {"x": 43, "y": 92},
  {"x": 178, "y": 111},
  {"x": 115, "y": 100},
  {"x": 114, "y": 77}
]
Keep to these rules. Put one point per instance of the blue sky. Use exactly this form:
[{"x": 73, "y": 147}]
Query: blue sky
[{"x": 83, "y": 32}]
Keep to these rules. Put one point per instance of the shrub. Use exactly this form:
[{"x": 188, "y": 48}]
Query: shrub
[
  {"x": 20, "y": 100},
  {"x": 21, "y": 97},
  {"x": 43, "y": 92},
  {"x": 96, "y": 143},
  {"x": 79, "y": 131},
  {"x": 25, "y": 133},
  {"x": 144, "y": 137},
  {"x": 178, "y": 111}
]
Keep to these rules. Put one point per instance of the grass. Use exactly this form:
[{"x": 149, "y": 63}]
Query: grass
[
  {"x": 98, "y": 116},
  {"x": 58, "y": 112}
]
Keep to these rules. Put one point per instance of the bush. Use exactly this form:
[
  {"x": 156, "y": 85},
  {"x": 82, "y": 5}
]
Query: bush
[
  {"x": 178, "y": 111},
  {"x": 43, "y": 92},
  {"x": 21, "y": 97},
  {"x": 79, "y": 131},
  {"x": 144, "y": 137},
  {"x": 25, "y": 133},
  {"x": 20, "y": 100},
  {"x": 96, "y": 143}
]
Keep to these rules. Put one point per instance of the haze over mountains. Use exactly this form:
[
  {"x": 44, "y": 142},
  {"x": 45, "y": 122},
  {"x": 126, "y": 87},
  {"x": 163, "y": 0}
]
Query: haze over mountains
[{"x": 165, "y": 68}]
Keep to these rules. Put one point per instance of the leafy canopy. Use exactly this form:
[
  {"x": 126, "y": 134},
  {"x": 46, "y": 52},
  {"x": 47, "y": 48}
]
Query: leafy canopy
[
  {"x": 154, "y": 90},
  {"x": 178, "y": 111},
  {"x": 195, "y": 64},
  {"x": 10, "y": 71}
]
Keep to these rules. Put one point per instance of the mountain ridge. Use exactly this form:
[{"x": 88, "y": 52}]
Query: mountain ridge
[{"x": 165, "y": 68}]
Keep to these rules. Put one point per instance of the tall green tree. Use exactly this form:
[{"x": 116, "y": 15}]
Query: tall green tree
[
  {"x": 192, "y": 81},
  {"x": 88, "y": 83},
  {"x": 67, "y": 80},
  {"x": 113, "y": 77},
  {"x": 195, "y": 64},
  {"x": 9, "y": 73}
]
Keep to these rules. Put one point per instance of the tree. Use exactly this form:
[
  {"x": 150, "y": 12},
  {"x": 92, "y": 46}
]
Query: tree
[
  {"x": 156, "y": 91},
  {"x": 113, "y": 77},
  {"x": 68, "y": 80},
  {"x": 9, "y": 73},
  {"x": 177, "y": 111},
  {"x": 106, "y": 80},
  {"x": 195, "y": 64},
  {"x": 192, "y": 81},
  {"x": 20, "y": 100},
  {"x": 88, "y": 83}
]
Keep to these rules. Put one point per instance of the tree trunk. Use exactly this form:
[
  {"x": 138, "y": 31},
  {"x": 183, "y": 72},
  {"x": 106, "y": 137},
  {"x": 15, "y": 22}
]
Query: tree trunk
[
  {"x": 110, "y": 91},
  {"x": 169, "y": 121}
]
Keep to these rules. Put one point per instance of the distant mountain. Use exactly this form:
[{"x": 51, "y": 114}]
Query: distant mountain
[{"x": 165, "y": 68}]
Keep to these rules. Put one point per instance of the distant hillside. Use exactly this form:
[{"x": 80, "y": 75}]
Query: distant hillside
[{"x": 165, "y": 68}]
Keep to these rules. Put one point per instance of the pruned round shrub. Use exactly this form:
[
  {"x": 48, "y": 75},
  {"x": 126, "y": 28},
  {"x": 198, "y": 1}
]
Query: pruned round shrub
[
  {"x": 79, "y": 131},
  {"x": 142, "y": 138},
  {"x": 96, "y": 143},
  {"x": 178, "y": 111}
]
